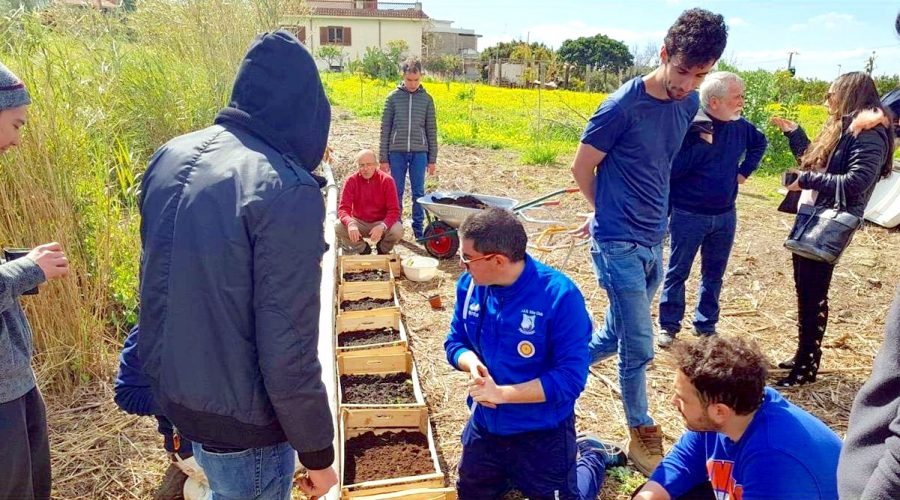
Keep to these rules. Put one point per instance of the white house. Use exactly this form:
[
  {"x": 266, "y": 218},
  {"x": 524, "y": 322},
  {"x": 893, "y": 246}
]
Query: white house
[{"x": 354, "y": 25}]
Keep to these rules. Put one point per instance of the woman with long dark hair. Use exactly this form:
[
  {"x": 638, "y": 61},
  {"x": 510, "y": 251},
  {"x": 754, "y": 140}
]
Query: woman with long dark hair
[{"x": 854, "y": 150}]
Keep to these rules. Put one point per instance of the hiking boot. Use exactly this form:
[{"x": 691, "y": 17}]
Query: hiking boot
[
  {"x": 612, "y": 453},
  {"x": 644, "y": 448},
  {"x": 665, "y": 338},
  {"x": 172, "y": 485}
]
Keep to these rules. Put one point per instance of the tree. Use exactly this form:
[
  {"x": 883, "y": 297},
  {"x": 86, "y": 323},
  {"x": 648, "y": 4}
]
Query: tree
[
  {"x": 332, "y": 55},
  {"x": 598, "y": 51}
]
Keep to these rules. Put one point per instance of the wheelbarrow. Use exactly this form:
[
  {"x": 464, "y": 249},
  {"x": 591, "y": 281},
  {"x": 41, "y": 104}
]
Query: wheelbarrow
[{"x": 440, "y": 237}]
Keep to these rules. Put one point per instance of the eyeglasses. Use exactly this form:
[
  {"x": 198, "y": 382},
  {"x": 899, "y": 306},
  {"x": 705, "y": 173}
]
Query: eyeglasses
[{"x": 466, "y": 261}]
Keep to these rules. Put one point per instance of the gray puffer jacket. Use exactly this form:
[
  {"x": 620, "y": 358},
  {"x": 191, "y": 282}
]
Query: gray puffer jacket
[{"x": 408, "y": 124}]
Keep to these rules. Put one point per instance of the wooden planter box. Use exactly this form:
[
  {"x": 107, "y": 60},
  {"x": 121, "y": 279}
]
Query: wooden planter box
[
  {"x": 377, "y": 318},
  {"x": 416, "y": 494},
  {"x": 356, "y": 421},
  {"x": 357, "y": 263},
  {"x": 393, "y": 260},
  {"x": 362, "y": 289},
  {"x": 366, "y": 363}
]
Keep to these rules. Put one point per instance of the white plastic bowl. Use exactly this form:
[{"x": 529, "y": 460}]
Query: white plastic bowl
[{"x": 419, "y": 268}]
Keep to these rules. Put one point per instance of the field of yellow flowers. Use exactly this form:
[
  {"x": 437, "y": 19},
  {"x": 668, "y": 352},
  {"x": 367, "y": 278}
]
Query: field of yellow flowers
[{"x": 540, "y": 124}]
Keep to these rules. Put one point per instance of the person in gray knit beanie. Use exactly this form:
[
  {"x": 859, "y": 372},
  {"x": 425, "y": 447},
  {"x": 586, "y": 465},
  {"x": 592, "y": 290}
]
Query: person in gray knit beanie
[{"x": 25, "y": 460}]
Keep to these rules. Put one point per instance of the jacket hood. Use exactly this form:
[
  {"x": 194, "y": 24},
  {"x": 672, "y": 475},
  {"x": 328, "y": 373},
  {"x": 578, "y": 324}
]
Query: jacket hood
[
  {"x": 868, "y": 119},
  {"x": 279, "y": 97},
  {"x": 402, "y": 86}
]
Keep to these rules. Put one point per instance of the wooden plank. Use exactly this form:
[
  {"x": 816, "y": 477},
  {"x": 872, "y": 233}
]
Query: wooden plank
[
  {"x": 368, "y": 419},
  {"x": 414, "y": 494}
]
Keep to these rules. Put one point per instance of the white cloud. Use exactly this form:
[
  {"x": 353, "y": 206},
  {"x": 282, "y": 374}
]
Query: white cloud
[
  {"x": 828, "y": 21},
  {"x": 737, "y": 21}
]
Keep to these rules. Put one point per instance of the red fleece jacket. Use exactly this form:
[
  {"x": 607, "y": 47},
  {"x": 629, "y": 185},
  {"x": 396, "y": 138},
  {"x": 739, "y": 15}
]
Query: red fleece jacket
[{"x": 369, "y": 200}]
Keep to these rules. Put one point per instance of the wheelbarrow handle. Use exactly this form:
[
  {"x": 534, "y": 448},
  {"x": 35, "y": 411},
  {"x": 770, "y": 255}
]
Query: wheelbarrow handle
[{"x": 573, "y": 190}]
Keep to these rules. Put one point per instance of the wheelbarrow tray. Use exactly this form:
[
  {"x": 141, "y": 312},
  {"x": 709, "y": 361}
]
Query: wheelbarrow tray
[{"x": 455, "y": 215}]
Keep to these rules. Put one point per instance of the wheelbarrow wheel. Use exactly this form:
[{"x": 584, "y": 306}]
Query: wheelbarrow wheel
[{"x": 441, "y": 240}]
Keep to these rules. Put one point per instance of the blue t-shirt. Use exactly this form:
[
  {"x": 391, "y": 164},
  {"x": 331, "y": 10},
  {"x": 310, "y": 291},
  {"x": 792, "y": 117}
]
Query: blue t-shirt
[
  {"x": 640, "y": 135},
  {"x": 785, "y": 453}
]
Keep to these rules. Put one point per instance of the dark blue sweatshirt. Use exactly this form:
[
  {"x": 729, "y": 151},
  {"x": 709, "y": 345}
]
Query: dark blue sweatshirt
[{"x": 704, "y": 176}]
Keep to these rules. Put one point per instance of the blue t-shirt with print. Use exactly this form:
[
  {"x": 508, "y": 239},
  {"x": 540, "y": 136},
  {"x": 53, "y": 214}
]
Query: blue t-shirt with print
[
  {"x": 785, "y": 453},
  {"x": 640, "y": 135}
]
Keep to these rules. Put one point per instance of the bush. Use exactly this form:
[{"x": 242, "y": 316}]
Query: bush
[{"x": 539, "y": 154}]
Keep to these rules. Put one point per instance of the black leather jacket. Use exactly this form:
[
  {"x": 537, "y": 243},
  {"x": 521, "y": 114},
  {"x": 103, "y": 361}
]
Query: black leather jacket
[{"x": 857, "y": 162}]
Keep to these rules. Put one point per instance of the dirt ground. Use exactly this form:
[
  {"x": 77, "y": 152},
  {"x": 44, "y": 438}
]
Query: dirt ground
[{"x": 98, "y": 452}]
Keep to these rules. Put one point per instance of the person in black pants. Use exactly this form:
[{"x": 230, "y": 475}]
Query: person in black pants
[{"x": 854, "y": 149}]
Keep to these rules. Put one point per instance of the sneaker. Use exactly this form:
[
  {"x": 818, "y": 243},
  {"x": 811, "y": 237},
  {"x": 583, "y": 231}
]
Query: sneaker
[
  {"x": 612, "y": 453},
  {"x": 172, "y": 485},
  {"x": 644, "y": 448},
  {"x": 366, "y": 250},
  {"x": 665, "y": 338}
]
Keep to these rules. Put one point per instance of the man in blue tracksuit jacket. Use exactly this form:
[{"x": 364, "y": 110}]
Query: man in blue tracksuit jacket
[
  {"x": 521, "y": 330},
  {"x": 704, "y": 185}
]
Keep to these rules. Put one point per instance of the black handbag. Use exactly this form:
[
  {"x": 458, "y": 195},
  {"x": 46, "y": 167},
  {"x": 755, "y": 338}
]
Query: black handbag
[{"x": 821, "y": 233}]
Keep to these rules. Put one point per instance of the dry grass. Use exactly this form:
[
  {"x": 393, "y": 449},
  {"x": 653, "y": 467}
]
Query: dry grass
[{"x": 100, "y": 453}]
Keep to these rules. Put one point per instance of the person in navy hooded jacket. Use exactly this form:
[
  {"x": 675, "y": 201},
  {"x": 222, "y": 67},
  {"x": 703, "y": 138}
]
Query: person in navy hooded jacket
[
  {"x": 232, "y": 242},
  {"x": 521, "y": 330}
]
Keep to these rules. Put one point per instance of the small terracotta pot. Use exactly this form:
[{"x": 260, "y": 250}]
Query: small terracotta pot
[{"x": 435, "y": 301}]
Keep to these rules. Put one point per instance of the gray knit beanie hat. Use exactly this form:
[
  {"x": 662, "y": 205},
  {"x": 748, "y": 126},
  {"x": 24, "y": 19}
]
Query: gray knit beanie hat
[{"x": 12, "y": 91}]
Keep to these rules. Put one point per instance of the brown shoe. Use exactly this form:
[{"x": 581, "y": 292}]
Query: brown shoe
[
  {"x": 644, "y": 448},
  {"x": 172, "y": 485}
]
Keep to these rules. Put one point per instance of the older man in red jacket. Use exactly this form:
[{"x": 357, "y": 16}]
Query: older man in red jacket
[{"x": 368, "y": 209}]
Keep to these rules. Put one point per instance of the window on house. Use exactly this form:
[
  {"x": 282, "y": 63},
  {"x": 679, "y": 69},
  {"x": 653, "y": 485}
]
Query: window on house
[
  {"x": 334, "y": 35},
  {"x": 298, "y": 31}
]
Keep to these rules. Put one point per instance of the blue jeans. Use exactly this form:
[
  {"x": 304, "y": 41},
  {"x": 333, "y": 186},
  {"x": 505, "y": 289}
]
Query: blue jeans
[
  {"x": 415, "y": 164},
  {"x": 540, "y": 464},
  {"x": 713, "y": 236},
  {"x": 253, "y": 474},
  {"x": 630, "y": 273}
]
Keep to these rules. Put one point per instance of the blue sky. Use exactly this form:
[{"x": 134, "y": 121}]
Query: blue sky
[{"x": 824, "y": 33}]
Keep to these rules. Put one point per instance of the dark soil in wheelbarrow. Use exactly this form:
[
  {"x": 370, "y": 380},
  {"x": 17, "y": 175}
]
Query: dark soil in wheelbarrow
[
  {"x": 370, "y": 275},
  {"x": 367, "y": 337},
  {"x": 365, "y": 304},
  {"x": 463, "y": 201},
  {"x": 392, "y": 389},
  {"x": 386, "y": 456}
]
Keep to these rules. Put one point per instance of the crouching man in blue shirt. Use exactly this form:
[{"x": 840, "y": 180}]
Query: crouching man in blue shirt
[
  {"x": 521, "y": 331},
  {"x": 744, "y": 441}
]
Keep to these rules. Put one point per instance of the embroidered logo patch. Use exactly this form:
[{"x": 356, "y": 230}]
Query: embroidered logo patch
[
  {"x": 527, "y": 325},
  {"x": 526, "y": 349}
]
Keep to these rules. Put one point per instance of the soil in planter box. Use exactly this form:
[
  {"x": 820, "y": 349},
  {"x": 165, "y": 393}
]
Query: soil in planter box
[
  {"x": 369, "y": 457},
  {"x": 370, "y": 275},
  {"x": 367, "y": 337},
  {"x": 365, "y": 304},
  {"x": 395, "y": 388},
  {"x": 463, "y": 201}
]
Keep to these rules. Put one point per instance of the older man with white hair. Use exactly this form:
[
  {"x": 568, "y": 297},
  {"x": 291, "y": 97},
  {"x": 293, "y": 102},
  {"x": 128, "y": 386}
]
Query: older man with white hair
[{"x": 704, "y": 185}]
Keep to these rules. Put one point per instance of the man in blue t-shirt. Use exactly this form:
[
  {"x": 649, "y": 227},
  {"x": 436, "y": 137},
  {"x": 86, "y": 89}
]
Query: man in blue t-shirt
[
  {"x": 622, "y": 168},
  {"x": 520, "y": 330},
  {"x": 744, "y": 441},
  {"x": 705, "y": 178}
]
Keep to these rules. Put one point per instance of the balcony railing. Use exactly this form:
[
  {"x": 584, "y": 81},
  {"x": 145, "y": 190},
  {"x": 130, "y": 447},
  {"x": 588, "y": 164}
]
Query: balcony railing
[{"x": 364, "y": 5}]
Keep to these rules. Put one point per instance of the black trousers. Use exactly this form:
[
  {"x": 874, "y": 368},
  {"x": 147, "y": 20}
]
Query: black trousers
[
  {"x": 812, "y": 279},
  {"x": 24, "y": 449}
]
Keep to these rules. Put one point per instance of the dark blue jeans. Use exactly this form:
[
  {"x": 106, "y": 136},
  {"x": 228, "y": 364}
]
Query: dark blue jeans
[
  {"x": 713, "y": 236},
  {"x": 415, "y": 164},
  {"x": 540, "y": 464},
  {"x": 630, "y": 274}
]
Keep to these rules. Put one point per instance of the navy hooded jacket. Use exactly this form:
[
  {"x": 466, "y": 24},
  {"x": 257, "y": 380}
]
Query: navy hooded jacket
[{"x": 232, "y": 240}]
